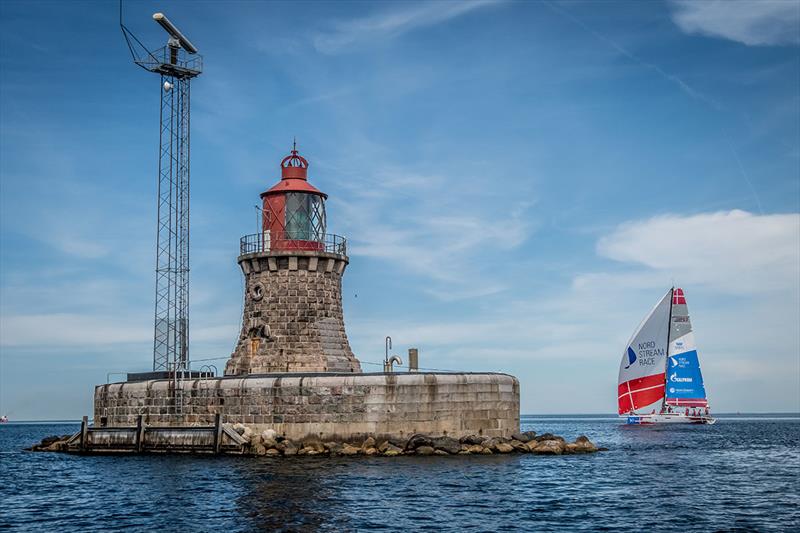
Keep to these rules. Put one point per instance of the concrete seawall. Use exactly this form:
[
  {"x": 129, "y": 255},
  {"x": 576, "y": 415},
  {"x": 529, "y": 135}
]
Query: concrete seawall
[{"x": 328, "y": 406}]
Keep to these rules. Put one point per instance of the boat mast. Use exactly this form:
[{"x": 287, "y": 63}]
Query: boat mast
[{"x": 666, "y": 361}]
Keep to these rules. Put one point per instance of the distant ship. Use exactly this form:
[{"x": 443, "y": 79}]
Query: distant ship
[{"x": 659, "y": 377}]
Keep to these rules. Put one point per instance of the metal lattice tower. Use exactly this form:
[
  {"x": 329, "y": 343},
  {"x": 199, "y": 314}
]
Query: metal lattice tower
[{"x": 176, "y": 63}]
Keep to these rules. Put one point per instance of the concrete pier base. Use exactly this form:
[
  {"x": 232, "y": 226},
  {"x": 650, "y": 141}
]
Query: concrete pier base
[{"x": 328, "y": 406}]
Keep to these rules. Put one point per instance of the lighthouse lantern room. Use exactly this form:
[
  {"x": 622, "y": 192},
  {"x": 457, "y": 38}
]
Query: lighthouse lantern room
[{"x": 293, "y": 212}]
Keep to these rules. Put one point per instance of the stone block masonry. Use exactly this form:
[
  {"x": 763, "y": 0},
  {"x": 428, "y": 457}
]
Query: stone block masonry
[
  {"x": 293, "y": 319},
  {"x": 327, "y": 406}
]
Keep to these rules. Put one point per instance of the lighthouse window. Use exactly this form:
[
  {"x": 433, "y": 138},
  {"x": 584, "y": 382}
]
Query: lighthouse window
[{"x": 305, "y": 217}]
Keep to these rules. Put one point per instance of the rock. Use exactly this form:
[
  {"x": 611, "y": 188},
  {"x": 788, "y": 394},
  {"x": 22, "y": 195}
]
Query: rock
[
  {"x": 268, "y": 442},
  {"x": 601, "y": 449},
  {"x": 476, "y": 448},
  {"x": 584, "y": 445},
  {"x": 570, "y": 448},
  {"x": 493, "y": 442},
  {"x": 368, "y": 443},
  {"x": 290, "y": 449},
  {"x": 350, "y": 450},
  {"x": 269, "y": 434},
  {"x": 50, "y": 445},
  {"x": 486, "y": 451},
  {"x": 530, "y": 434},
  {"x": 548, "y": 436},
  {"x": 54, "y": 443},
  {"x": 238, "y": 428},
  {"x": 48, "y": 441},
  {"x": 425, "y": 450},
  {"x": 440, "y": 452},
  {"x": 371, "y": 451},
  {"x": 258, "y": 449},
  {"x": 521, "y": 437},
  {"x": 550, "y": 447},
  {"x": 502, "y": 447},
  {"x": 446, "y": 444},
  {"x": 519, "y": 446},
  {"x": 312, "y": 451},
  {"x": 334, "y": 448},
  {"x": 418, "y": 440},
  {"x": 391, "y": 450},
  {"x": 472, "y": 440},
  {"x": 314, "y": 444},
  {"x": 272, "y": 452}
]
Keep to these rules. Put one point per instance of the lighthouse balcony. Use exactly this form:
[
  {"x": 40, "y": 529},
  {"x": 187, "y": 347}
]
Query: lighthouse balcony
[{"x": 290, "y": 241}]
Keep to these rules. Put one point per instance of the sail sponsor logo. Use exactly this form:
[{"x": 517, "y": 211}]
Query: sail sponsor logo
[
  {"x": 680, "y": 319},
  {"x": 631, "y": 357},
  {"x": 675, "y": 379},
  {"x": 648, "y": 352},
  {"x": 679, "y": 361}
]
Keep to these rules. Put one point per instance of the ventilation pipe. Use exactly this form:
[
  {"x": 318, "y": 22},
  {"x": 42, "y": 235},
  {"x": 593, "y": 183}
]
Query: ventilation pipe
[{"x": 413, "y": 360}]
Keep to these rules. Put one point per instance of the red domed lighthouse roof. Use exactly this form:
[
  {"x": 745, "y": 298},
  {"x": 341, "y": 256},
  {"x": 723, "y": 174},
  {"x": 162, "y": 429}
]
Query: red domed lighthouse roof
[{"x": 294, "y": 176}]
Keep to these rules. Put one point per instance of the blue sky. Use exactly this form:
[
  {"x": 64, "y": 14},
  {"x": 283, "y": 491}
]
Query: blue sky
[{"x": 519, "y": 183}]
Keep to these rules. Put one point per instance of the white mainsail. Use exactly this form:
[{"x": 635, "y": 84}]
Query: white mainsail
[{"x": 641, "y": 372}]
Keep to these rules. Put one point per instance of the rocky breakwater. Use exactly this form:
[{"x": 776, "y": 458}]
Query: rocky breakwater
[
  {"x": 272, "y": 444},
  {"x": 269, "y": 443}
]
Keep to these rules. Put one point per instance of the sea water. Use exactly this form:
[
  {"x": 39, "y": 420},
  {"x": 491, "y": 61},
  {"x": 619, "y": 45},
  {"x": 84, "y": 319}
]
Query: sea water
[{"x": 741, "y": 474}]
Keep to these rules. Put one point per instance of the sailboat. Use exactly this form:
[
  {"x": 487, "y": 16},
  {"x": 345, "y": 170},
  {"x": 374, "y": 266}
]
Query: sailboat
[{"x": 659, "y": 377}]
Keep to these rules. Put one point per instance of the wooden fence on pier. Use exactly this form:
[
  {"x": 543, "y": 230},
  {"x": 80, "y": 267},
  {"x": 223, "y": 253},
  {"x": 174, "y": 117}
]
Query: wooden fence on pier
[{"x": 216, "y": 439}]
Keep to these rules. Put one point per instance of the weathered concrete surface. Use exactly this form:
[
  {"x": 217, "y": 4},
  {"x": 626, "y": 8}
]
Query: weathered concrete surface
[
  {"x": 328, "y": 406},
  {"x": 293, "y": 319}
]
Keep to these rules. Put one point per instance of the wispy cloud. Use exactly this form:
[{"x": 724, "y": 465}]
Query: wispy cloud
[
  {"x": 434, "y": 226},
  {"x": 751, "y": 22},
  {"x": 672, "y": 78},
  {"x": 391, "y": 23}
]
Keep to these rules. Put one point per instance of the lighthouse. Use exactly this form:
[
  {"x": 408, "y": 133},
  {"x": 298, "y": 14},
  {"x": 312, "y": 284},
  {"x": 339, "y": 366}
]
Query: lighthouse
[
  {"x": 293, "y": 268},
  {"x": 292, "y": 370}
]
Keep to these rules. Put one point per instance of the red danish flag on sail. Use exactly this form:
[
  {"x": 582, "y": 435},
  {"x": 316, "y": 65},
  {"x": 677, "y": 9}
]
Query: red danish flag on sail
[
  {"x": 678, "y": 297},
  {"x": 639, "y": 392}
]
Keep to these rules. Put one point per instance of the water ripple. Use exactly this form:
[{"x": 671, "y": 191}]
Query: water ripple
[{"x": 738, "y": 475}]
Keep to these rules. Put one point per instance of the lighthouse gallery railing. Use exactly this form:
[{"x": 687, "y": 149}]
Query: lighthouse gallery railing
[{"x": 269, "y": 241}]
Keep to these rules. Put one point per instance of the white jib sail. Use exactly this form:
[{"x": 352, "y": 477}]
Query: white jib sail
[{"x": 641, "y": 371}]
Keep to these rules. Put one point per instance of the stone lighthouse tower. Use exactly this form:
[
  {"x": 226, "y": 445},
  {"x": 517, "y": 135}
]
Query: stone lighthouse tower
[{"x": 293, "y": 320}]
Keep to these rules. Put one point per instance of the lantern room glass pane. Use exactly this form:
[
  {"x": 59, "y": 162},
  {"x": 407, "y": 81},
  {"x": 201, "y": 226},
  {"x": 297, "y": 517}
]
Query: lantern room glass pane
[{"x": 305, "y": 217}]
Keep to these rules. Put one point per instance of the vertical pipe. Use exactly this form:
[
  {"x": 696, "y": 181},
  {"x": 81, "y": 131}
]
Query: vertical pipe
[{"x": 413, "y": 360}]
